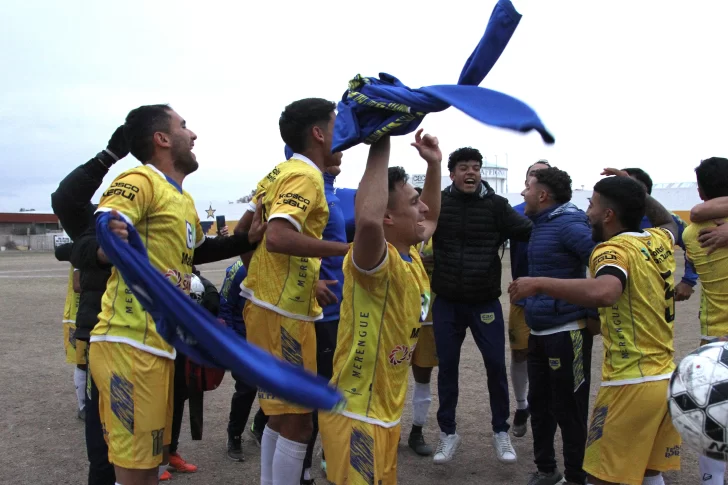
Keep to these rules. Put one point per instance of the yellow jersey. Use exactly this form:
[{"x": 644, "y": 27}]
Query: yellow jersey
[
  {"x": 294, "y": 191},
  {"x": 637, "y": 331},
  {"x": 713, "y": 274},
  {"x": 426, "y": 250},
  {"x": 378, "y": 333},
  {"x": 70, "y": 308},
  {"x": 167, "y": 222}
]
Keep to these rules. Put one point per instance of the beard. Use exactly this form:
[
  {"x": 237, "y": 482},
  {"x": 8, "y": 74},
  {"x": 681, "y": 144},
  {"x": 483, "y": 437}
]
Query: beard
[
  {"x": 184, "y": 160},
  {"x": 597, "y": 233}
]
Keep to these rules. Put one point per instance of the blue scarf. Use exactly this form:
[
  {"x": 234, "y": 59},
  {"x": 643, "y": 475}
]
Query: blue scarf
[
  {"x": 196, "y": 333},
  {"x": 372, "y": 108}
]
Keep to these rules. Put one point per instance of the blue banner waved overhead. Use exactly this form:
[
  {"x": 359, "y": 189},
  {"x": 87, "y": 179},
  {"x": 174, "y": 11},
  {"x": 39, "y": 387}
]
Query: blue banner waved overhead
[
  {"x": 372, "y": 108},
  {"x": 195, "y": 332}
]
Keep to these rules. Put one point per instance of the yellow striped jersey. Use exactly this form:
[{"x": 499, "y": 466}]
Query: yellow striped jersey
[
  {"x": 426, "y": 250},
  {"x": 713, "y": 274},
  {"x": 637, "y": 331},
  {"x": 378, "y": 332},
  {"x": 294, "y": 191},
  {"x": 70, "y": 308},
  {"x": 167, "y": 222}
]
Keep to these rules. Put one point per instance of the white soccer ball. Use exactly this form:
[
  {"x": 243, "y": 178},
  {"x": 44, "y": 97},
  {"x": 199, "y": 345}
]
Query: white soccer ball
[{"x": 698, "y": 400}]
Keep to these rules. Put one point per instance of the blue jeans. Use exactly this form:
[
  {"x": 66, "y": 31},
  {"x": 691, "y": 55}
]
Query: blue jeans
[{"x": 485, "y": 321}]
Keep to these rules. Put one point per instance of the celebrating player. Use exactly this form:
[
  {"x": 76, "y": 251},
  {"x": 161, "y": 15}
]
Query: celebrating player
[
  {"x": 281, "y": 281},
  {"x": 130, "y": 362},
  {"x": 633, "y": 287},
  {"x": 388, "y": 295}
]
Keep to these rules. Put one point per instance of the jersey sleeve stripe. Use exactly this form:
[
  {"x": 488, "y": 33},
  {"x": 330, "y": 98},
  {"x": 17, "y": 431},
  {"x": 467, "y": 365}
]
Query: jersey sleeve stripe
[
  {"x": 669, "y": 232},
  {"x": 109, "y": 209},
  {"x": 251, "y": 207},
  {"x": 287, "y": 217},
  {"x": 201, "y": 242},
  {"x": 599, "y": 271},
  {"x": 373, "y": 270}
]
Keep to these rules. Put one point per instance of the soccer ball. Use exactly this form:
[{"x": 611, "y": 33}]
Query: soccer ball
[{"x": 698, "y": 400}]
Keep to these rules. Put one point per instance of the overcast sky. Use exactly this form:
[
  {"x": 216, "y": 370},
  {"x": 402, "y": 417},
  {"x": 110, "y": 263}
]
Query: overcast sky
[{"x": 619, "y": 83}]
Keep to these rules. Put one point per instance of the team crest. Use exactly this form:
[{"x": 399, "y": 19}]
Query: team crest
[
  {"x": 487, "y": 317},
  {"x": 190, "y": 235},
  {"x": 555, "y": 364},
  {"x": 399, "y": 354}
]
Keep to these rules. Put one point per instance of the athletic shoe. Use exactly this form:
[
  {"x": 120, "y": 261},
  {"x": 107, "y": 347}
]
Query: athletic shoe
[
  {"x": 258, "y": 435},
  {"x": 542, "y": 478},
  {"x": 503, "y": 448},
  {"x": 446, "y": 448},
  {"x": 82, "y": 414},
  {"x": 179, "y": 465},
  {"x": 520, "y": 422},
  {"x": 235, "y": 448},
  {"x": 166, "y": 476},
  {"x": 416, "y": 441}
]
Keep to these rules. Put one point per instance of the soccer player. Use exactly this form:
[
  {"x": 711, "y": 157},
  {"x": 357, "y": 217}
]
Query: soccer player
[
  {"x": 518, "y": 330},
  {"x": 633, "y": 287},
  {"x": 712, "y": 269},
  {"x": 424, "y": 359},
  {"x": 282, "y": 275},
  {"x": 388, "y": 296},
  {"x": 131, "y": 364}
]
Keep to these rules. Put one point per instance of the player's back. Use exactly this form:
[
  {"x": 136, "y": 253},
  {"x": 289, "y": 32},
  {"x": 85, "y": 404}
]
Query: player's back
[
  {"x": 712, "y": 270},
  {"x": 378, "y": 332},
  {"x": 167, "y": 222},
  {"x": 638, "y": 329},
  {"x": 294, "y": 191}
]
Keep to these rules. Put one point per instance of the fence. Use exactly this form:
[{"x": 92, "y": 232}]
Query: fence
[{"x": 40, "y": 242}]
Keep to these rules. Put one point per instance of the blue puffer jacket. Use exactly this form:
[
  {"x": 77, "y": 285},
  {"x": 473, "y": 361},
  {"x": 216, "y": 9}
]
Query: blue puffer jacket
[{"x": 560, "y": 246}]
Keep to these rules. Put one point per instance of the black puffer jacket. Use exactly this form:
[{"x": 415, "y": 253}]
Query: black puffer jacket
[{"x": 470, "y": 231}]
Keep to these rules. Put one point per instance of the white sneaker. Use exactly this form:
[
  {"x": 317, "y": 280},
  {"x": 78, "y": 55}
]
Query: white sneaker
[
  {"x": 503, "y": 448},
  {"x": 446, "y": 448}
]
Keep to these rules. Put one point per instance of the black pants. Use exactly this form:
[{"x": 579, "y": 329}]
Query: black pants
[
  {"x": 242, "y": 402},
  {"x": 100, "y": 471},
  {"x": 559, "y": 370},
  {"x": 325, "y": 347},
  {"x": 182, "y": 394}
]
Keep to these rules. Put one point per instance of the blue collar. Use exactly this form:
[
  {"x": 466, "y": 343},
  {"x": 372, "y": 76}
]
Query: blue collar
[{"x": 174, "y": 184}]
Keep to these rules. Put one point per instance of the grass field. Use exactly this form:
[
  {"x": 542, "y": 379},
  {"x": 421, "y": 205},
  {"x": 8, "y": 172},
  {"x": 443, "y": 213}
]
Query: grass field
[{"x": 43, "y": 442}]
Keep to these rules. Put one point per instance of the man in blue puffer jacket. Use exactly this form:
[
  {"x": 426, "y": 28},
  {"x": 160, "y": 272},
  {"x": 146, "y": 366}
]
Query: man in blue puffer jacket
[{"x": 559, "y": 347}]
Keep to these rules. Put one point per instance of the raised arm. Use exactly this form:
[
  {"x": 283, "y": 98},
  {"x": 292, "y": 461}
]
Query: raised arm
[
  {"x": 429, "y": 149},
  {"x": 370, "y": 207},
  {"x": 710, "y": 209}
]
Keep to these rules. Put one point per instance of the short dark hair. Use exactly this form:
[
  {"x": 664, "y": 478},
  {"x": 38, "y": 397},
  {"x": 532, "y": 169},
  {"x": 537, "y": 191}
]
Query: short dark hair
[
  {"x": 463, "y": 155},
  {"x": 626, "y": 197},
  {"x": 542, "y": 162},
  {"x": 419, "y": 190},
  {"x": 712, "y": 175},
  {"x": 299, "y": 117},
  {"x": 139, "y": 128},
  {"x": 642, "y": 176},
  {"x": 557, "y": 181},
  {"x": 397, "y": 177}
]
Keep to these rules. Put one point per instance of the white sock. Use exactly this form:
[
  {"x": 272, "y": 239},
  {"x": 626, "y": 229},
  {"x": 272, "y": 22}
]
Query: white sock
[
  {"x": 162, "y": 469},
  {"x": 519, "y": 377},
  {"x": 712, "y": 472},
  {"x": 267, "y": 452},
  {"x": 656, "y": 480},
  {"x": 421, "y": 400},
  {"x": 288, "y": 462},
  {"x": 79, "y": 379}
]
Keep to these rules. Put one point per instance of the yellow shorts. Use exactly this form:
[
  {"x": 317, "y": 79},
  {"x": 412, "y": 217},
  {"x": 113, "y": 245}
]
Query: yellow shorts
[
  {"x": 69, "y": 342},
  {"x": 518, "y": 330},
  {"x": 288, "y": 339},
  {"x": 425, "y": 354},
  {"x": 623, "y": 416},
  {"x": 135, "y": 403},
  {"x": 358, "y": 453}
]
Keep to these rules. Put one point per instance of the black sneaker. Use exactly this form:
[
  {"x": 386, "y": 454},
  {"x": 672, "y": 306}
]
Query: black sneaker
[
  {"x": 417, "y": 443},
  {"x": 543, "y": 478},
  {"x": 520, "y": 422},
  {"x": 257, "y": 434},
  {"x": 235, "y": 448}
]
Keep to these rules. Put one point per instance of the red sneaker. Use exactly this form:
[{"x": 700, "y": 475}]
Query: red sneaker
[
  {"x": 177, "y": 464},
  {"x": 166, "y": 476}
]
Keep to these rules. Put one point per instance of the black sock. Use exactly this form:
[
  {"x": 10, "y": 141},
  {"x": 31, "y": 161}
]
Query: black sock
[{"x": 416, "y": 429}]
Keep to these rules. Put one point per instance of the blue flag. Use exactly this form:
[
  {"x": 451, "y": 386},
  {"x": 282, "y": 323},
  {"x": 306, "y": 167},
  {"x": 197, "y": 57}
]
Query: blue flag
[
  {"x": 195, "y": 332},
  {"x": 374, "y": 107}
]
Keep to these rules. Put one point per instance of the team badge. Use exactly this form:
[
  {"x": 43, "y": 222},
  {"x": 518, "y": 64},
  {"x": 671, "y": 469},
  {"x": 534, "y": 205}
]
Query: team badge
[
  {"x": 190, "y": 236},
  {"x": 487, "y": 317},
  {"x": 399, "y": 354},
  {"x": 555, "y": 364}
]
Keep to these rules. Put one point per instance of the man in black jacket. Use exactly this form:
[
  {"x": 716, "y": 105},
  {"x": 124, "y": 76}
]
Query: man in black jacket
[
  {"x": 72, "y": 204},
  {"x": 474, "y": 222}
]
